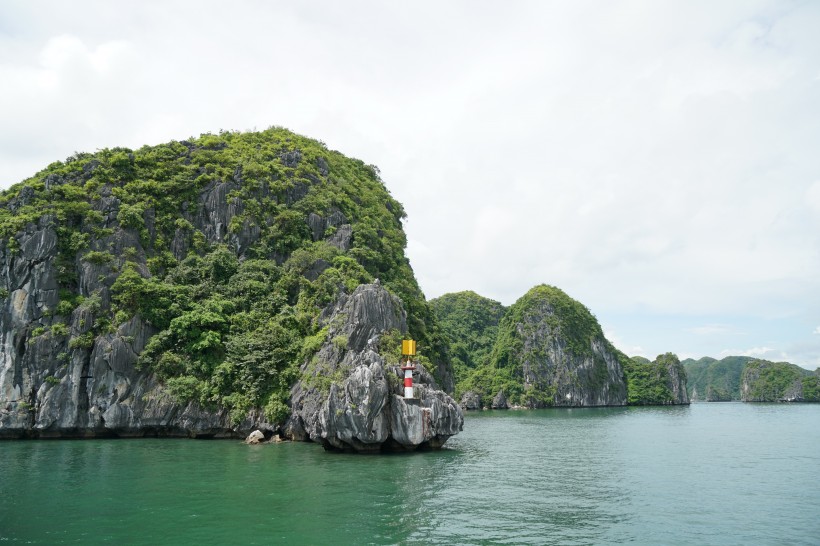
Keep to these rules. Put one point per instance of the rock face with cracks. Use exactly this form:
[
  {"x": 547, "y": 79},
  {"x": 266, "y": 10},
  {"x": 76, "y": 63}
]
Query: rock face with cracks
[
  {"x": 50, "y": 389},
  {"x": 349, "y": 398}
]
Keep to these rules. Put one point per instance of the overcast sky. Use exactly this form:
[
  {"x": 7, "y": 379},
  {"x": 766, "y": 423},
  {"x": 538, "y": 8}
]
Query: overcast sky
[{"x": 658, "y": 161}]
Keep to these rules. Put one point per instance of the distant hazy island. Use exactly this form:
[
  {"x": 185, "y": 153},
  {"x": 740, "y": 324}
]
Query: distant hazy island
[
  {"x": 258, "y": 281},
  {"x": 750, "y": 380}
]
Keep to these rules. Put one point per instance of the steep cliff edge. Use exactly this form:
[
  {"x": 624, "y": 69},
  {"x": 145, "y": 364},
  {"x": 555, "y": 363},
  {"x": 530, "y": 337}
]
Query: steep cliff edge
[
  {"x": 58, "y": 378},
  {"x": 176, "y": 289}
]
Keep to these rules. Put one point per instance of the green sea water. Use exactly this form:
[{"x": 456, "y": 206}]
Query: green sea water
[{"x": 704, "y": 474}]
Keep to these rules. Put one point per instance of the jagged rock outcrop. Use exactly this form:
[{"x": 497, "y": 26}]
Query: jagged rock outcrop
[
  {"x": 675, "y": 378},
  {"x": 50, "y": 387},
  {"x": 350, "y": 398}
]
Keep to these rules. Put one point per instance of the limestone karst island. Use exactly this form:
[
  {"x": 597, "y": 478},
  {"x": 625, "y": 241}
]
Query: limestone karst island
[{"x": 257, "y": 281}]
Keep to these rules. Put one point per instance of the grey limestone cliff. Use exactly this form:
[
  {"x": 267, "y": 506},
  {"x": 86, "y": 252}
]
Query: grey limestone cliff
[
  {"x": 52, "y": 388},
  {"x": 350, "y": 398},
  {"x": 557, "y": 348},
  {"x": 592, "y": 379},
  {"x": 676, "y": 382}
]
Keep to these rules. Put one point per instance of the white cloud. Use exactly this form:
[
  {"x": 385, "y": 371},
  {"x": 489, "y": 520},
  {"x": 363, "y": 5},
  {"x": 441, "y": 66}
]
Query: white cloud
[
  {"x": 757, "y": 352},
  {"x": 813, "y": 196},
  {"x": 637, "y": 158},
  {"x": 627, "y": 349},
  {"x": 805, "y": 353},
  {"x": 817, "y": 331},
  {"x": 712, "y": 329},
  {"x": 75, "y": 97}
]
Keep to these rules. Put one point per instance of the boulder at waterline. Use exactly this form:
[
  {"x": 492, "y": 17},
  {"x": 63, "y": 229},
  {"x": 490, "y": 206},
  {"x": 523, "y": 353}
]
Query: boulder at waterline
[
  {"x": 470, "y": 401},
  {"x": 500, "y": 401},
  {"x": 255, "y": 437}
]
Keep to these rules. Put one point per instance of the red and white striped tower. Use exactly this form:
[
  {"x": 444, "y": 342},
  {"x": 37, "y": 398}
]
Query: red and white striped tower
[
  {"x": 408, "y": 350},
  {"x": 408, "y": 379}
]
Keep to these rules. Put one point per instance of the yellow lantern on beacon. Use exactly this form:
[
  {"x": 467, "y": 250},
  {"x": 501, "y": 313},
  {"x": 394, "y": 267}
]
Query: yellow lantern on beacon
[{"x": 408, "y": 347}]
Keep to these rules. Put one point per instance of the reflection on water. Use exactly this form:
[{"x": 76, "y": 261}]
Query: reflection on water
[{"x": 709, "y": 473}]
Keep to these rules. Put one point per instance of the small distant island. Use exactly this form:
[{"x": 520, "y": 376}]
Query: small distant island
[{"x": 750, "y": 380}]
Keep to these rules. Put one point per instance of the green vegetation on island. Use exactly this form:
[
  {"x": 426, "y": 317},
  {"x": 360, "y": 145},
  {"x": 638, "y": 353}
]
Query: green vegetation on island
[
  {"x": 765, "y": 381},
  {"x": 653, "y": 383},
  {"x": 228, "y": 246},
  {"x": 470, "y": 324},
  {"x": 540, "y": 339},
  {"x": 543, "y": 347},
  {"x": 548, "y": 349},
  {"x": 749, "y": 379},
  {"x": 715, "y": 380}
]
